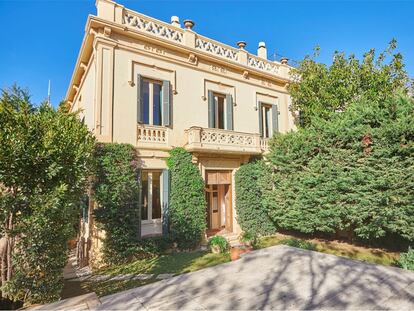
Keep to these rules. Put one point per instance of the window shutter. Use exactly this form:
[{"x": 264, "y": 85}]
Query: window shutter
[
  {"x": 139, "y": 205},
  {"x": 275, "y": 118},
  {"x": 211, "y": 110},
  {"x": 166, "y": 202},
  {"x": 229, "y": 107},
  {"x": 140, "y": 100},
  {"x": 259, "y": 107},
  {"x": 166, "y": 103}
]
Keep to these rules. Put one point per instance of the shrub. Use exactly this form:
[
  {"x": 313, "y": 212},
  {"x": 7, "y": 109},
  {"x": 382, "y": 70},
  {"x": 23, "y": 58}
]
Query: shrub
[
  {"x": 219, "y": 243},
  {"x": 45, "y": 162},
  {"x": 354, "y": 173},
  {"x": 187, "y": 201},
  {"x": 248, "y": 238},
  {"x": 299, "y": 244},
  {"x": 406, "y": 260},
  {"x": 252, "y": 180},
  {"x": 116, "y": 193},
  {"x": 156, "y": 245}
]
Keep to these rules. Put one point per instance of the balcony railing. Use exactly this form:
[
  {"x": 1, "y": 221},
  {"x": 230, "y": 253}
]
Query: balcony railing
[
  {"x": 152, "y": 137},
  {"x": 217, "y": 140},
  {"x": 264, "y": 144}
]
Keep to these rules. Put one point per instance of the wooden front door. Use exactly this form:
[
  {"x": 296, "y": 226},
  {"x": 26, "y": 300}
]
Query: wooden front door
[{"x": 218, "y": 195}]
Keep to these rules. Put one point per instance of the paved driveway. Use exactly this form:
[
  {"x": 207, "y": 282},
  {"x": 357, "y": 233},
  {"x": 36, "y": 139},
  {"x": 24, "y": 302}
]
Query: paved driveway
[{"x": 278, "y": 277}]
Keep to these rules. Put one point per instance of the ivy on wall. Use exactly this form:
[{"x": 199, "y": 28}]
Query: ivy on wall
[
  {"x": 252, "y": 179},
  {"x": 187, "y": 201},
  {"x": 116, "y": 192}
]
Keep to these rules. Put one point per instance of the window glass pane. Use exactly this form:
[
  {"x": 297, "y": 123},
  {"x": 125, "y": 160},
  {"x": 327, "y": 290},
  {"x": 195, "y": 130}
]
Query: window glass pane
[
  {"x": 146, "y": 103},
  {"x": 144, "y": 201},
  {"x": 220, "y": 112},
  {"x": 156, "y": 104},
  {"x": 156, "y": 198},
  {"x": 268, "y": 120}
]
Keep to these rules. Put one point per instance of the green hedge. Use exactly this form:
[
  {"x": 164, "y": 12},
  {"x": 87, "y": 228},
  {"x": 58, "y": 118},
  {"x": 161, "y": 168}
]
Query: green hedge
[
  {"x": 116, "y": 193},
  {"x": 406, "y": 260},
  {"x": 353, "y": 174},
  {"x": 187, "y": 201},
  {"x": 350, "y": 176},
  {"x": 252, "y": 179}
]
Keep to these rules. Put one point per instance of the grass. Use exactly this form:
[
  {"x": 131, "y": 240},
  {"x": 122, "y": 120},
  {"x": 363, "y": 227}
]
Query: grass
[
  {"x": 367, "y": 254},
  {"x": 176, "y": 263}
]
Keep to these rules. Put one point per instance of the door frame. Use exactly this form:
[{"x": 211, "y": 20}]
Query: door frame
[{"x": 221, "y": 181}]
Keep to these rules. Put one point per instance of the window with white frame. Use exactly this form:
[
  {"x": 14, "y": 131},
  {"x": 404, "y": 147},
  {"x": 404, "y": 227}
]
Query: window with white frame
[
  {"x": 151, "y": 195},
  {"x": 267, "y": 121}
]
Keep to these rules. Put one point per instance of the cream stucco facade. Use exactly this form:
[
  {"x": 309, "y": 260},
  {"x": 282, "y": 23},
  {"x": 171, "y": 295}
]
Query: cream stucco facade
[{"x": 214, "y": 96}]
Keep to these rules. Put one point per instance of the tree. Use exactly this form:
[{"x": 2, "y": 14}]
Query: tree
[
  {"x": 44, "y": 165},
  {"x": 318, "y": 90}
]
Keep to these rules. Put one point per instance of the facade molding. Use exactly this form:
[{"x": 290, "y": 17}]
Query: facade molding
[{"x": 193, "y": 55}]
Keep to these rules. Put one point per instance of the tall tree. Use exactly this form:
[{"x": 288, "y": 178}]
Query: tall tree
[
  {"x": 318, "y": 90},
  {"x": 44, "y": 165}
]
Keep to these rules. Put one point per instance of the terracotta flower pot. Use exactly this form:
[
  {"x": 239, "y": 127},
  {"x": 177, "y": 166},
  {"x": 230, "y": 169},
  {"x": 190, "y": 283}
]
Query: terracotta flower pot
[{"x": 234, "y": 253}]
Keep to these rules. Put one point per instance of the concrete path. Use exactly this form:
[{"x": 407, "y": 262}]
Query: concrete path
[{"x": 279, "y": 277}]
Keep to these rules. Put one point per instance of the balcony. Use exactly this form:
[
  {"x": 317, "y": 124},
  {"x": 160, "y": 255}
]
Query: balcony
[
  {"x": 152, "y": 137},
  {"x": 223, "y": 141}
]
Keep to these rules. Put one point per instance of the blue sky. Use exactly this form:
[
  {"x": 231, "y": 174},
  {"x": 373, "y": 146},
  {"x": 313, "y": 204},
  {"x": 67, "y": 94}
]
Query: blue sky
[{"x": 41, "y": 39}]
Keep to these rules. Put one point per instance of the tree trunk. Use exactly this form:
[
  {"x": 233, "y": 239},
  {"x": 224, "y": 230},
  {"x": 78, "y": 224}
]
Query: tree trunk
[
  {"x": 3, "y": 263},
  {"x": 6, "y": 253},
  {"x": 10, "y": 249}
]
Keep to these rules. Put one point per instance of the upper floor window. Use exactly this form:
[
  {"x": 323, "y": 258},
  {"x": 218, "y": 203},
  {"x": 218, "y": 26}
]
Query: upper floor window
[
  {"x": 152, "y": 105},
  {"x": 220, "y": 111},
  {"x": 153, "y": 102},
  {"x": 268, "y": 119},
  {"x": 219, "y": 100}
]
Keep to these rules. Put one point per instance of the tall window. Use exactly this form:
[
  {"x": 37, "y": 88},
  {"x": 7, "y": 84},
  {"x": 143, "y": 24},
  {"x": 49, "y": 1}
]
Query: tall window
[
  {"x": 220, "y": 110},
  {"x": 151, "y": 195},
  {"x": 267, "y": 121},
  {"x": 152, "y": 96}
]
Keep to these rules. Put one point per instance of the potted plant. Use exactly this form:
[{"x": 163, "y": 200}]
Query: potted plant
[
  {"x": 218, "y": 244},
  {"x": 248, "y": 239}
]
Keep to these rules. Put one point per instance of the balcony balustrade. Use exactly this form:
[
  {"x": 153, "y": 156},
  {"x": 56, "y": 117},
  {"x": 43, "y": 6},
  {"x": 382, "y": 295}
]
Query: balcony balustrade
[
  {"x": 224, "y": 141},
  {"x": 152, "y": 137}
]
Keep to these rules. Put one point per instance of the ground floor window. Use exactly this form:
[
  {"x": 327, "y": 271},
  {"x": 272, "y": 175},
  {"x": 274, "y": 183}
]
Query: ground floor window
[{"x": 151, "y": 195}]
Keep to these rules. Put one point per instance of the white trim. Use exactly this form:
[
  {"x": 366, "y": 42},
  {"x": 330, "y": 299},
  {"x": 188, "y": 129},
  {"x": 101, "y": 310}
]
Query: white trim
[{"x": 150, "y": 193}]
